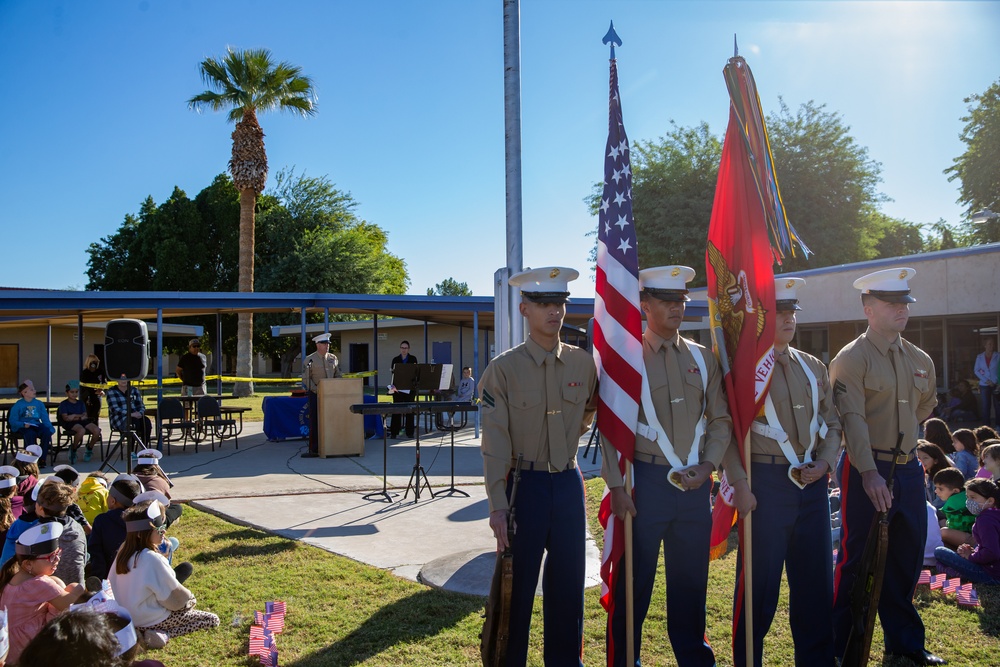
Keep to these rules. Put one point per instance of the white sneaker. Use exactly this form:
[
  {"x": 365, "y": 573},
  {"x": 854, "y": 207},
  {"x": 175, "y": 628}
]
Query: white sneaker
[{"x": 155, "y": 638}]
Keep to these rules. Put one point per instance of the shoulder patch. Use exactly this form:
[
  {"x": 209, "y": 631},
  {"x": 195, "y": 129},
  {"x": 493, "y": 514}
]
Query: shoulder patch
[{"x": 488, "y": 399}]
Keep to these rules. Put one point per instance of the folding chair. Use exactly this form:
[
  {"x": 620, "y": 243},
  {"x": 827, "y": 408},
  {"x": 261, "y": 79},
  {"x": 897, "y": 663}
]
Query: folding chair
[
  {"x": 212, "y": 422},
  {"x": 173, "y": 417}
]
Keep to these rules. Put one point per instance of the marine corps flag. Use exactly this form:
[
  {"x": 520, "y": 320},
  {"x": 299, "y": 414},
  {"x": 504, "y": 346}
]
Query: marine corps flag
[{"x": 747, "y": 233}]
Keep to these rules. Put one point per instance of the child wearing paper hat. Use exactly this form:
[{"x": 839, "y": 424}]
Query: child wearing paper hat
[
  {"x": 92, "y": 634},
  {"x": 143, "y": 582},
  {"x": 149, "y": 472},
  {"x": 51, "y": 505},
  {"x": 29, "y": 590}
]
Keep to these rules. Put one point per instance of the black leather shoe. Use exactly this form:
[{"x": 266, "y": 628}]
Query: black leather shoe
[
  {"x": 310, "y": 455},
  {"x": 923, "y": 657}
]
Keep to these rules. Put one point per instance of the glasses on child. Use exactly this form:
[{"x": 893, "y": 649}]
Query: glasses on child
[{"x": 52, "y": 557}]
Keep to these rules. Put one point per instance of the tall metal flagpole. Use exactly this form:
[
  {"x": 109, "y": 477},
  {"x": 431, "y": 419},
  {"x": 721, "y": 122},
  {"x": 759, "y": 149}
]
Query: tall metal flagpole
[{"x": 512, "y": 173}]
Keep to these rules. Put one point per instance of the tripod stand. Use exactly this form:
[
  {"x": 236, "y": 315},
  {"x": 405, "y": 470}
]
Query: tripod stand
[
  {"x": 128, "y": 435},
  {"x": 418, "y": 477}
]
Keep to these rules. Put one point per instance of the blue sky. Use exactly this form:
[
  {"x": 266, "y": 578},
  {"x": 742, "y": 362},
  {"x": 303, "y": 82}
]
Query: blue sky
[{"x": 410, "y": 115}]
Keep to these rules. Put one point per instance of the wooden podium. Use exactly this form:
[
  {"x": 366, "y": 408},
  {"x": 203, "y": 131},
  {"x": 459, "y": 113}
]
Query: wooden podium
[{"x": 341, "y": 432}]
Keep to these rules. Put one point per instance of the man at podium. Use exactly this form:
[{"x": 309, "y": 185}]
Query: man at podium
[{"x": 319, "y": 365}]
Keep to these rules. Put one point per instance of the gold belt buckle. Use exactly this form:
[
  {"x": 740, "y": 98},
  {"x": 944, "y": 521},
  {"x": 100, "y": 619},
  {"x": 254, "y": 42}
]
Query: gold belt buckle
[{"x": 902, "y": 459}]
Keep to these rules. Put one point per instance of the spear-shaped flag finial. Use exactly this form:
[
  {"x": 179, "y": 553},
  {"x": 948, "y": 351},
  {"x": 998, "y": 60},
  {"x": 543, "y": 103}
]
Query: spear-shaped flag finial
[
  {"x": 736, "y": 48},
  {"x": 613, "y": 39}
]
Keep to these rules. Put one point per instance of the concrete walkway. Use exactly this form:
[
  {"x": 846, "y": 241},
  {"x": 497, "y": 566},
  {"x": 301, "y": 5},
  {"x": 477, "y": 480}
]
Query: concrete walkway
[{"x": 441, "y": 540}]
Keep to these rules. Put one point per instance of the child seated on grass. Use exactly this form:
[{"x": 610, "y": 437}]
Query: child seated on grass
[
  {"x": 949, "y": 486},
  {"x": 990, "y": 457},
  {"x": 143, "y": 582},
  {"x": 979, "y": 564},
  {"x": 29, "y": 589}
]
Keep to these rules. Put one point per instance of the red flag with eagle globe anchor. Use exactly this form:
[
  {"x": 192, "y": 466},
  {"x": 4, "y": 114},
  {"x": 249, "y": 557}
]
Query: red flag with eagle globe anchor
[{"x": 748, "y": 232}]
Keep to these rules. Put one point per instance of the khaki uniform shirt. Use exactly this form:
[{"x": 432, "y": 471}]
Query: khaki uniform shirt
[
  {"x": 675, "y": 386},
  {"x": 513, "y": 408},
  {"x": 865, "y": 392},
  {"x": 321, "y": 368},
  {"x": 792, "y": 395}
]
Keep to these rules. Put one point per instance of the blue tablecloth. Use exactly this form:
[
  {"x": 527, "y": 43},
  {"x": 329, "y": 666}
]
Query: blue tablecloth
[{"x": 287, "y": 417}]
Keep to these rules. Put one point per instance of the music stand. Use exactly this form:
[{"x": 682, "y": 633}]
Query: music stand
[
  {"x": 426, "y": 378},
  {"x": 454, "y": 490},
  {"x": 384, "y": 493}
]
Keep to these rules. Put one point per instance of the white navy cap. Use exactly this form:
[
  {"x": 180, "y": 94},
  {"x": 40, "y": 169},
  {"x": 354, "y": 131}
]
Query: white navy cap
[
  {"x": 102, "y": 603},
  {"x": 786, "y": 293},
  {"x": 31, "y": 454},
  {"x": 5, "y": 481},
  {"x": 154, "y": 516},
  {"x": 149, "y": 457},
  {"x": 322, "y": 338},
  {"x": 74, "y": 474},
  {"x": 892, "y": 285},
  {"x": 39, "y": 540},
  {"x": 667, "y": 283},
  {"x": 42, "y": 482},
  {"x": 152, "y": 494},
  {"x": 549, "y": 284},
  {"x": 120, "y": 497}
]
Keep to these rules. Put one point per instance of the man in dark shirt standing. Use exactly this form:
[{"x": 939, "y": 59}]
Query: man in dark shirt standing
[
  {"x": 402, "y": 394},
  {"x": 191, "y": 370}
]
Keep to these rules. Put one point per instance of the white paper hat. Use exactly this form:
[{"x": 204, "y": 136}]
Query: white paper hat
[
  {"x": 149, "y": 457},
  {"x": 7, "y": 482},
  {"x": 40, "y": 539},
  {"x": 31, "y": 454}
]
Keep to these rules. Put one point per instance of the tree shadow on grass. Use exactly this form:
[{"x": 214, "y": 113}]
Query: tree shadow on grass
[
  {"x": 242, "y": 534},
  {"x": 244, "y": 550},
  {"x": 412, "y": 619}
]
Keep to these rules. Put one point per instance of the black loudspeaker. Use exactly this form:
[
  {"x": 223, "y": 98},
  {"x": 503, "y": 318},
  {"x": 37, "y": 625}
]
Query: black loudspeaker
[{"x": 125, "y": 349}]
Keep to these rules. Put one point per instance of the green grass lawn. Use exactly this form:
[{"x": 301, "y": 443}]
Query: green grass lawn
[{"x": 341, "y": 612}]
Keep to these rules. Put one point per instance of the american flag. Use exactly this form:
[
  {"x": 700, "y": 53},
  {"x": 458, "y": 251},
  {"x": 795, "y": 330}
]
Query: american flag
[
  {"x": 951, "y": 586},
  {"x": 274, "y": 623},
  {"x": 925, "y": 577},
  {"x": 937, "y": 581},
  {"x": 967, "y": 596},
  {"x": 276, "y": 607},
  {"x": 258, "y": 618},
  {"x": 257, "y": 639},
  {"x": 270, "y": 657},
  {"x": 617, "y": 328}
]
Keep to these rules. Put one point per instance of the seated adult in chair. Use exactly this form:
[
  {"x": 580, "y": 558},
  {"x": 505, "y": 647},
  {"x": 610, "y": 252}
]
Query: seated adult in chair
[
  {"x": 72, "y": 417},
  {"x": 118, "y": 410},
  {"x": 29, "y": 420}
]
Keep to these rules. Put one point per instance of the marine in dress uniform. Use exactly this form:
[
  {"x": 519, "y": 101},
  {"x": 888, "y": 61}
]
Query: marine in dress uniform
[
  {"x": 793, "y": 447},
  {"x": 691, "y": 424},
  {"x": 883, "y": 385},
  {"x": 319, "y": 365},
  {"x": 537, "y": 401}
]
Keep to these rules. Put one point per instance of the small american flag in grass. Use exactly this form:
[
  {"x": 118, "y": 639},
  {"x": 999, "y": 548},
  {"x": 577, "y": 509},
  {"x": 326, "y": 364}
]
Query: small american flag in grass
[
  {"x": 925, "y": 577},
  {"x": 256, "y": 640},
  {"x": 951, "y": 586},
  {"x": 967, "y": 596},
  {"x": 937, "y": 581}
]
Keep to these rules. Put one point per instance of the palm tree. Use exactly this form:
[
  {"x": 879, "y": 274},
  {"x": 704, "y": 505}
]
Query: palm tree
[{"x": 247, "y": 83}]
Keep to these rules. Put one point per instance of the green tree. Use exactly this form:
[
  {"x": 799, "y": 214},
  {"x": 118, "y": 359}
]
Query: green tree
[
  {"x": 829, "y": 186},
  {"x": 978, "y": 168},
  {"x": 899, "y": 237},
  {"x": 673, "y": 186},
  {"x": 247, "y": 83},
  {"x": 313, "y": 241},
  {"x": 323, "y": 247},
  {"x": 449, "y": 287}
]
